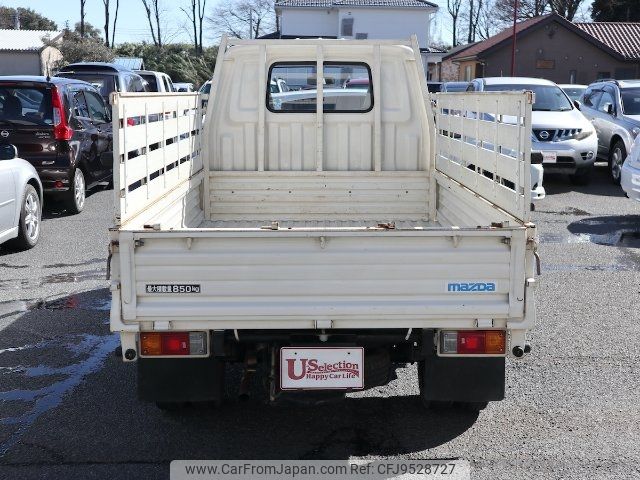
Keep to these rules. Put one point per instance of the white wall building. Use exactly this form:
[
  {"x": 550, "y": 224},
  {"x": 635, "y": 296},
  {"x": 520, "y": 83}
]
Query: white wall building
[
  {"x": 23, "y": 52},
  {"x": 357, "y": 19}
]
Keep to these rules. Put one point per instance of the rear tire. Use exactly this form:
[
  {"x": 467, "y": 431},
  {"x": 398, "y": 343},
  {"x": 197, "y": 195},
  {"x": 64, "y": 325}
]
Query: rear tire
[
  {"x": 77, "y": 193},
  {"x": 617, "y": 155},
  {"x": 29, "y": 223}
]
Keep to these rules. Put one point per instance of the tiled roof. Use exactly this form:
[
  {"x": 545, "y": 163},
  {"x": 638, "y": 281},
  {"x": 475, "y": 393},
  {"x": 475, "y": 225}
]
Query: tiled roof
[
  {"x": 22, "y": 40},
  {"x": 623, "y": 37},
  {"x": 481, "y": 47},
  {"x": 355, "y": 3}
]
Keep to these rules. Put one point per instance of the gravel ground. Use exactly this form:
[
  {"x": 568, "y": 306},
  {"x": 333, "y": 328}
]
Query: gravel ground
[{"x": 68, "y": 406}]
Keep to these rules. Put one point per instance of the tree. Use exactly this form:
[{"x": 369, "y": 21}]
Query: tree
[
  {"x": 179, "y": 61},
  {"x": 488, "y": 25},
  {"x": 244, "y": 18},
  {"x": 196, "y": 17},
  {"x": 454, "y": 7},
  {"x": 29, "y": 19},
  {"x": 75, "y": 48},
  {"x": 90, "y": 31},
  {"x": 565, "y": 8},
  {"x": 473, "y": 16},
  {"x": 615, "y": 11},
  {"x": 526, "y": 9},
  {"x": 152, "y": 8},
  {"x": 82, "y": 5}
]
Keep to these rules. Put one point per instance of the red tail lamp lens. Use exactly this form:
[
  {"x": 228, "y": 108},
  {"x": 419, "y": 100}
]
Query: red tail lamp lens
[
  {"x": 471, "y": 342},
  {"x": 175, "y": 343}
]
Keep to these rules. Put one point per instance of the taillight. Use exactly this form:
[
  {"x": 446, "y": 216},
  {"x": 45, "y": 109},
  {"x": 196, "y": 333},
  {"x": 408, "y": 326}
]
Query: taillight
[
  {"x": 61, "y": 129},
  {"x": 473, "y": 342},
  {"x": 173, "y": 344}
]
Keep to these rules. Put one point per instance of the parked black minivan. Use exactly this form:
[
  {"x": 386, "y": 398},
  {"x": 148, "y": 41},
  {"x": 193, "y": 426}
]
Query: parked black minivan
[
  {"x": 106, "y": 77},
  {"x": 63, "y": 128}
]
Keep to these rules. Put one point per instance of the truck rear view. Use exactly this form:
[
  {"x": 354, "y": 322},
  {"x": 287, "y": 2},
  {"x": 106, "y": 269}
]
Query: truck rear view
[{"x": 319, "y": 223}]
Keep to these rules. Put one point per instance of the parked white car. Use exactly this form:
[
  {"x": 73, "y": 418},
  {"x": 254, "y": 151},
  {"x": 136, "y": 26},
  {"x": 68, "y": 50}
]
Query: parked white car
[
  {"x": 630, "y": 176},
  {"x": 561, "y": 133},
  {"x": 158, "y": 81},
  {"x": 20, "y": 200}
]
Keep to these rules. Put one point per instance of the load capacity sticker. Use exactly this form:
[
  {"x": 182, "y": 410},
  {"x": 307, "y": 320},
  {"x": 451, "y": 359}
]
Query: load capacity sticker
[{"x": 166, "y": 288}]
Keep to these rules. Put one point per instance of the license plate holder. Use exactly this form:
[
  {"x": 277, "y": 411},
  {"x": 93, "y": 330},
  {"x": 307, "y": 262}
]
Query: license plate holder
[
  {"x": 549, "y": 157},
  {"x": 321, "y": 368}
]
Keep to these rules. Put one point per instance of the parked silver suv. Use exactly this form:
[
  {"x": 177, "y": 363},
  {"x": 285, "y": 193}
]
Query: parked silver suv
[{"x": 613, "y": 107}]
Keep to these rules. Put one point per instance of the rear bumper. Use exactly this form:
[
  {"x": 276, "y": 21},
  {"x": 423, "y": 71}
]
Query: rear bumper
[
  {"x": 54, "y": 180},
  {"x": 630, "y": 181}
]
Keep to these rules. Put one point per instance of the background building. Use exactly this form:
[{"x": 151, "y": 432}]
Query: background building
[
  {"x": 23, "y": 52},
  {"x": 551, "y": 47},
  {"x": 359, "y": 19}
]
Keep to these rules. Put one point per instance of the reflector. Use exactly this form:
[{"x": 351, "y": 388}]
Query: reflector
[
  {"x": 495, "y": 341},
  {"x": 150, "y": 344}
]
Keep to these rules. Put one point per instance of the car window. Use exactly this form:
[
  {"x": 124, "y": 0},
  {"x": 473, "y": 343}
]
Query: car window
[
  {"x": 549, "y": 98},
  {"x": 591, "y": 97},
  {"x": 105, "y": 84},
  {"x": 79, "y": 105},
  {"x": 630, "y": 101},
  {"x": 152, "y": 80},
  {"x": 25, "y": 105},
  {"x": 167, "y": 84},
  {"x": 606, "y": 100},
  {"x": 96, "y": 107},
  {"x": 296, "y": 87}
]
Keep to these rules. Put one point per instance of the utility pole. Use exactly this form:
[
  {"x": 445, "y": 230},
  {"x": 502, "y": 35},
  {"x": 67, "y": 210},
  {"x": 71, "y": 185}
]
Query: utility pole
[{"x": 513, "y": 44}]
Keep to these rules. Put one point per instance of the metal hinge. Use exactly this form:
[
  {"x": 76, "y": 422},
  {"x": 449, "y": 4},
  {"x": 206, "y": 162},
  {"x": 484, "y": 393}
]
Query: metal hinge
[
  {"x": 138, "y": 243},
  {"x": 273, "y": 226}
]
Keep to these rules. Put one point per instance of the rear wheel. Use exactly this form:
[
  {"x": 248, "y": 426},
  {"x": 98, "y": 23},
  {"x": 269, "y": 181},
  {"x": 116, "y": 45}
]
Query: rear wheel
[
  {"x": 76, "y": 195},
  {"x": 29, "y": 224},
  {"x": 617, "y": 155}
]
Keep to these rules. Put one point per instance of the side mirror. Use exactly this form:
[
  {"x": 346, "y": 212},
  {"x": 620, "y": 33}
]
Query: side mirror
[
  {"x": 577, "y": 104},
  {"x": 106, "y": 159},
  {"x": 8, "y": 152},
  {"x": 611, "y": 109}
]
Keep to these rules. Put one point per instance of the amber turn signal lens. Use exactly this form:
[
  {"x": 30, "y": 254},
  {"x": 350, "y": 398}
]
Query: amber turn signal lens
[
  {"x": 151, "y": 344},
  {"x": 494, "y": 341}
]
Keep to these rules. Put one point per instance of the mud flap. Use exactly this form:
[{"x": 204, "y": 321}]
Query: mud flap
[
  {"x": 461, "y": 379},
  {"x": 180, "y": 380}
]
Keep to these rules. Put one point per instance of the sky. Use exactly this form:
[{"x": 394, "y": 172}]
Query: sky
[
  {"x": 132, "y": 21},
  {"x": 132, "y": 18}
]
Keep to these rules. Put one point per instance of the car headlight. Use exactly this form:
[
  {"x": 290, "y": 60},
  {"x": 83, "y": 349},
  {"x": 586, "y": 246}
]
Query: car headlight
[
  {"x": 582, "y": 135},
  {"x": 635, "y": 131}
]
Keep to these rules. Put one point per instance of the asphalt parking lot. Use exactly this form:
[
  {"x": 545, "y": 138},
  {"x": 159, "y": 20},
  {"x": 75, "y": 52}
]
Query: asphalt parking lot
[{"x": 68, "y": 407}]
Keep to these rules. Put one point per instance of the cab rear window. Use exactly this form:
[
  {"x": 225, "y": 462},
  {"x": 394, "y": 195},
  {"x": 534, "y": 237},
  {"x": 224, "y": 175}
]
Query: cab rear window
[
  {"x": 25, "y": 105},
  {"x": 292, "y": 87}
]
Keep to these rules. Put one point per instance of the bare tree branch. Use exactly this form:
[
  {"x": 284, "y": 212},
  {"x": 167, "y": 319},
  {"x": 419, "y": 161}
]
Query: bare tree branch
[{"x": 243, "y": 18}]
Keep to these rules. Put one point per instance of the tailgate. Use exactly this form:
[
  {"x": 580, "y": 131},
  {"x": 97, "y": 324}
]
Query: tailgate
[{"x": 294, "y": 279}]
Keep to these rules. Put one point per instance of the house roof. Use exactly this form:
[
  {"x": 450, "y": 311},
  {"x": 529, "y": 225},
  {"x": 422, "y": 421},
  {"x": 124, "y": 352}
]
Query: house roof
[
  {"x": 618, "y": 39},
  {"x": 481, "y": 47},
  {"x": 132, "y": 63},
  {"x": 354, "y": 3},
  {"x": 623, "y": 37},
  {"x": 457, "y": 49},
  {"x": 26, "y": 40}
]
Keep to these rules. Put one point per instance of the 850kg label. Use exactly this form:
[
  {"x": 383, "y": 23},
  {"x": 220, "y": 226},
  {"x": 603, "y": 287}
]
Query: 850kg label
[{"x": 165, "y": 288}]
